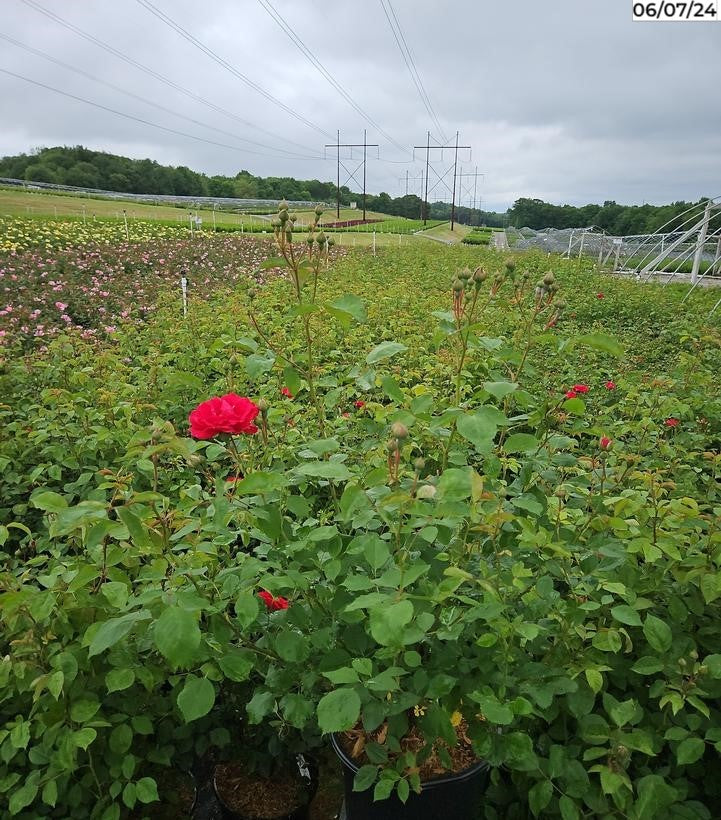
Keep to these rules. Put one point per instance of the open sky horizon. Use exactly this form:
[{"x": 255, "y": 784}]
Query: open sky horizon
[{"x": 567, "y": 102}]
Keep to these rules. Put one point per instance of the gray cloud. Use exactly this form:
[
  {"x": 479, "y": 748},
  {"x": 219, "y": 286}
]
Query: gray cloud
[{"x": 568, "y": 101}]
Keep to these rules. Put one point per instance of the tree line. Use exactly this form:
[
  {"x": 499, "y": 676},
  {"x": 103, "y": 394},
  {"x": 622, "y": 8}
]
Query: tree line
[
  {"x": 615, "y": 219},
  {"x": 84, "y": 168}
]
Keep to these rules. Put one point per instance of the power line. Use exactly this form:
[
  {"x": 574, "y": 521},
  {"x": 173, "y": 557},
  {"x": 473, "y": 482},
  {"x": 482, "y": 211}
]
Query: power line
[
  {"x": 291, "y": 154},
  {"x": 133, "y": 117},
  {"x": 227, "y": 66},
  {"x": 151, "y": 72},
  {"x": 410, "y": 63},
  {"x": 295, "y": 39}
]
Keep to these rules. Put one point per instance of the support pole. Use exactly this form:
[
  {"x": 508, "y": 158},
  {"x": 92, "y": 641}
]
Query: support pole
[
  {"x": 453, "y": 200},
  {"x": 337, "y": 193},
  {"x": 426, "y": 206},
  {"x": 125, "y": 219},
  {"x": 700, "y": 242},
  {"x": 364, "y": 174}
]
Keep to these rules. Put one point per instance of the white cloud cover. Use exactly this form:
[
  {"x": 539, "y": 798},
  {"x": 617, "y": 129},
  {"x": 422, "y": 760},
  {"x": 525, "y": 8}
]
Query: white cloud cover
[{"x": 568, "y": 101}]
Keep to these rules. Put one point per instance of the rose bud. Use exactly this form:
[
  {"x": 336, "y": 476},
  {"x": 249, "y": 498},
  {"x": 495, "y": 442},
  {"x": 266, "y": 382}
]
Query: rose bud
[{"x": 400, "y": 431}]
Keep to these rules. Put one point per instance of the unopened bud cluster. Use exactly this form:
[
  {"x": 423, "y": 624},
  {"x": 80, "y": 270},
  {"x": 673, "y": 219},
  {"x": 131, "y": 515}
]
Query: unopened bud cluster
[{"x": 399, "y": 433}]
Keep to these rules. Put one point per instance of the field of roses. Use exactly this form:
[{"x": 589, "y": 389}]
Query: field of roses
[
  {"x": 440, "y": 492},
  {"x": 91, "y": 281}
]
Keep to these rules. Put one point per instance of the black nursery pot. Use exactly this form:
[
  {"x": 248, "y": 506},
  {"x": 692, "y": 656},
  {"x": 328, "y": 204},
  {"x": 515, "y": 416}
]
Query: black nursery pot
[
  {"x": 456, "y": 796},
  {"x": 309, "y": 773}
]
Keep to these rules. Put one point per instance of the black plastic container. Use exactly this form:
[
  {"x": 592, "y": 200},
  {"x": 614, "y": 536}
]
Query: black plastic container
[
  {"x": 308, "y": 771},
  {"x": 452, "y": 797}
]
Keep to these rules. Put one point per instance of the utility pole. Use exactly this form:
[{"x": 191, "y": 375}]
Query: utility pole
[
  {"x": 364, "y": 174},
  {"x": 406, "y": 183},
  {"x": 351, "y": 174},
  {"x": 453, "y": 200},
  {"x": 425, "y": 199},
  {"x": 441, "y": 178}
]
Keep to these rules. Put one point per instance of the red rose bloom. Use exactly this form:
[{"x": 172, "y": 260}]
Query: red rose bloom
[
  {"x": 360, "y": 404},
  {"x": 571, "y": 394},
  {"x": 599, "y": 296},
  {"x": 225, "y": 414},
  {"x": 580, "y": 388},
  {"x": 605, "y": 443},
  {"x": 272, "y": 603},
  {"x": 285, "y": 391},
  {"x": 671, "y": 422},
  {"x": 610, "y": 385}
]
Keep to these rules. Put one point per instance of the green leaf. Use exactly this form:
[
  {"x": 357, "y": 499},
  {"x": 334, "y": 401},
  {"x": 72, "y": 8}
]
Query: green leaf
[
  {"x": 84, "y": 737},
  {"x": 455, "y": 484},
  {"x": 84, "y": 709},
  {"x": 338, "y": 711},
  {"x": 364, "y": 778},
  {"x": 648, "y": 665},
  {"x": 690, "y": 750},
  {"x": 82, "y": 515},
  {"x": 657, "y": 633},
  {"x": 121, "y": 739},
  {"x": 177, "y": 635},
  {"x": 291, "y": 647},
  {"x": 478, "y": 429},
  {"x": 375, "y": 550},
  {"x": 196, "y": 699},
  {"x": 539, "y": 796},
  {"x": 403, "y": 790},
  {"x": 146, "y": 790},
  {"x": 492, "y": 709},
  {"x": 115, "y": 592},
  {"x": 118, "y": 679},
  {"x": 260, "y": 483},
  {"x": 392, "y": 389},
  {"x": 599, "y": 341},
  {"x": 236, "y": 664},
  {"x": 569, "y": 810},
  {"x": 499, "y": 389},
  {"x": 654, "y": 796},
  {"x": 626, "y": 615},
  {"x": 256, "y": 364},
  {"x": 114, "y": 630},
  {"x": 291, "y": 377},
  {"x": 521, "y": 443},
  {"x": 387, "y": 623},
  {"x": 260, "y": 705},
  {"x": 49, "y": 501},
  {"x": 246, "y": 608},
  {"x": 384, "y": 351},
  {"x": 713, "y": 664},
  {"x": 25, "y": 795},
  {"x": 325, "y": 469},
  {"x": 346, "y": 309},
  {"x": 576, "y": 407}
]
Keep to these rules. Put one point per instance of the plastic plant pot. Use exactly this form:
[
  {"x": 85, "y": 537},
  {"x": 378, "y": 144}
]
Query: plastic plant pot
[{"x": 456, "y": 796}]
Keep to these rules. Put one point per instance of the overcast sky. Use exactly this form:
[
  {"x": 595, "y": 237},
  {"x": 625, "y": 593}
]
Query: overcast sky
[{"x": 566, "y": 100}]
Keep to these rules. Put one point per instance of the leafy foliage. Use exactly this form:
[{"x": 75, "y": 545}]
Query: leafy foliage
[{"x": 449, "y": 536}]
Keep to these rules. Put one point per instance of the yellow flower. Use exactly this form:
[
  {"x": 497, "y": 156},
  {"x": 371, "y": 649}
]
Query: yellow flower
[{"x": 456, "y": 719}]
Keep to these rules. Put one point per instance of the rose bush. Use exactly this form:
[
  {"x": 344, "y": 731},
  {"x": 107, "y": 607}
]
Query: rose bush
[{"x": 461, "y": 544}]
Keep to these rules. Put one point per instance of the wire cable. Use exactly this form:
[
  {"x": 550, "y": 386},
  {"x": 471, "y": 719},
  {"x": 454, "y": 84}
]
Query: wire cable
[
  {"x": 410, "y": 63},
  {"x": 151, "y": 72},
  {"x": 301, "y": 46},
  {"x": 227, "y": 66},
  {"x": 140, "y": 119},
  {"x": 290, "y": 154}
]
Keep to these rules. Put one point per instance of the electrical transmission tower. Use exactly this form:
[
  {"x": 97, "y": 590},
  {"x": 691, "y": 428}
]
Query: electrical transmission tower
[
  {"x": 350, "y": 174},
  {"x": 469, "y": 190},
  {"x": 409, "y": 179},
  {"x": 442, "y": 178}
]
